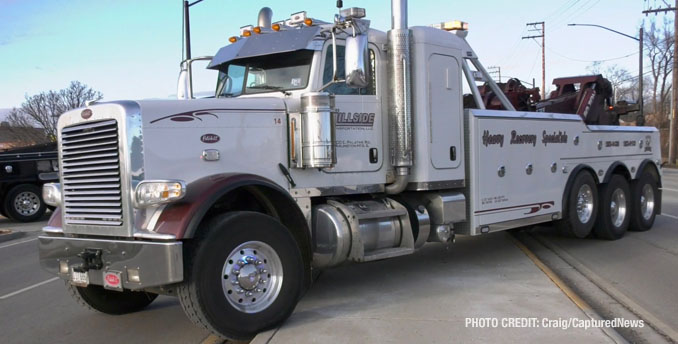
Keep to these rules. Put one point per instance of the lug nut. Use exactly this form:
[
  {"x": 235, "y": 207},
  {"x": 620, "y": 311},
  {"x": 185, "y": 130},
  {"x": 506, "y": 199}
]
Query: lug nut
[
  {"x": 262, "y": 281},
  {"x": 263, "y": 271},
  {"x": 257, "y": 290},
  {"x": 240, "y": 291},
  {"x": 249, "y": 293},
  {"x": 241, "y": 263},
  {"x": 234, "y": 282},
  {"x": 249, "y": 259},
  {"x": 258, "y": 262}
]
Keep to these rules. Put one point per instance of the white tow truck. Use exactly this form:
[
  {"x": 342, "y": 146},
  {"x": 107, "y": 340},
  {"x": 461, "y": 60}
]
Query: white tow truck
[{"x": 325, "y": 143}]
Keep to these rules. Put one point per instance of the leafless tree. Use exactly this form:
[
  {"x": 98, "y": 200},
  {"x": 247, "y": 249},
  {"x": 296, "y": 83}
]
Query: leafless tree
[
  {"x": 659, "y": 49},
  {"x": 42, "y": 111},
  {"x": 624, "y": 84}
]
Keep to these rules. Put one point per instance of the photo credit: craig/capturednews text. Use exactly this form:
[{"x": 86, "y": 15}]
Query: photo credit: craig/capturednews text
[{"x": 562, "y": 323}]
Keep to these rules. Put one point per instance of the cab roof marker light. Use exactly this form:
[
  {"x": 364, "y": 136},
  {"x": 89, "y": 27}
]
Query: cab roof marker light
[
  {"x": 246, "y": 28},
  {"x": 277, "y": 26},
  {"x": 455, "y": 25},
  {"x": 297, "y": 18}
]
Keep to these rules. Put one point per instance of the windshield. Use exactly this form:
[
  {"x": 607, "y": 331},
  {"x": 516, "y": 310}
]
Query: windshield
[{"x": 269, "y": 73}]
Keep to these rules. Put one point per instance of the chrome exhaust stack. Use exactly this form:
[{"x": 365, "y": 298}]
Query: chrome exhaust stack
[
  {"x": 265, "y": 17},
  {"x": 400, "y": 99}
]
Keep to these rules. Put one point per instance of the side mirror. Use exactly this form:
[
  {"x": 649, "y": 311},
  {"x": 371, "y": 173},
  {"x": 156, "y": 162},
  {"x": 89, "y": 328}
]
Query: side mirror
[
  {"x": 185, "y": 82},
  {"x": 355, "y": 61}
]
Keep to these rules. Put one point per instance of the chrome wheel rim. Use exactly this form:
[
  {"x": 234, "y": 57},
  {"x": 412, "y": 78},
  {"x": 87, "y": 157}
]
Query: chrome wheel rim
[
  {"x": 252, "y": 277},
  {"x": 26, "y": 203},
  {"x": 584, "y": 203},
  {"x": 647, "y": 201},
  {"x": 618, "y": 207}
]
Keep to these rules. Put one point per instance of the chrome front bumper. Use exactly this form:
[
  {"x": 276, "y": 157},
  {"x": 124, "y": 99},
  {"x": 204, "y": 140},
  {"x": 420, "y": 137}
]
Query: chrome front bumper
[{"x": 158, "y": 263}]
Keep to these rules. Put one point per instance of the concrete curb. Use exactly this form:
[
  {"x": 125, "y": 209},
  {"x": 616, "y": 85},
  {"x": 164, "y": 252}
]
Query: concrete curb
[
  {"x": 569, "y": 292},
  {"x": 608, "y": 288},
  {"x": 11, "y": 236},
  {"x": 604, "y": 303}
]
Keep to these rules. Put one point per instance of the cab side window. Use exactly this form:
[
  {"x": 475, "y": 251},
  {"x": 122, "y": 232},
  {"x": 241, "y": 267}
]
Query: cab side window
[{"x": 340, "y": 88}]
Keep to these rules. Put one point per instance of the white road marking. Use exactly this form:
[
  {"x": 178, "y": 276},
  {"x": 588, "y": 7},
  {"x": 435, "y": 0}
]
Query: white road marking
[
  {"x": 671, "y": 216},
  {"x": 17, "y": 243},
  {"x": 667, "y": 189},
  {"x": 28, "y": 288}
]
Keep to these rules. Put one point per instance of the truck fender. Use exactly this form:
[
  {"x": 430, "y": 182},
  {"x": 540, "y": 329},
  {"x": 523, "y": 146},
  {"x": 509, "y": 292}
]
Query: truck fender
[
  {"x": 617, "y": 167},
  {"x": 570, "y": 181},
  {"x": 183, "y": 218},
  {"x": 647, "y": 163}
]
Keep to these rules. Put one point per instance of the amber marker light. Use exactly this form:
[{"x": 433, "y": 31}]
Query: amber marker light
[
  {"x": 257, "y": 30},
  {"x": 247, "y": 33},
  {"x": 308, "y": 21},
  {"x": 233, "y": 39},
  {"x": 275, "y": 27}
]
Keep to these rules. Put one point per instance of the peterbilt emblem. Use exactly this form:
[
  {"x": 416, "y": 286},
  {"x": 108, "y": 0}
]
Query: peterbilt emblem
[
  {"x": 86, "y": 114},
  {"x": 209, "y": 138}
]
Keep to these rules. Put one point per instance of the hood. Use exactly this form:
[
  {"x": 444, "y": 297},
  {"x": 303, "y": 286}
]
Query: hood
[{"x": 200, "y": 112}]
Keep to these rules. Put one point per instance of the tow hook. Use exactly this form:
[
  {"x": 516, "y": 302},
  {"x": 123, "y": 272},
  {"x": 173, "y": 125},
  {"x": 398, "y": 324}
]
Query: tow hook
[{"x": 91, "y": 259}]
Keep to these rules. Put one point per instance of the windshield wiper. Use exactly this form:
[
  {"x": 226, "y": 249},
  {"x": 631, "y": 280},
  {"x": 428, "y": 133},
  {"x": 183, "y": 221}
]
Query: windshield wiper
[
  {"x": 270, "y": 87},
  {"x": 266, "y": 87}
]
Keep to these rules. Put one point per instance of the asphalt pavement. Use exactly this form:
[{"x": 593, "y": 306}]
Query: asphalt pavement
[
  {"x": 35, "y": 307},
  {"x": 428, "y": 296},
  {"x": 641, "y": 268}
]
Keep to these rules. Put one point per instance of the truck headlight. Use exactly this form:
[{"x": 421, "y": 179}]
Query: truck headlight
[
  {"x": 153, "y": 192},
  {"x": 51, "y": 194}
]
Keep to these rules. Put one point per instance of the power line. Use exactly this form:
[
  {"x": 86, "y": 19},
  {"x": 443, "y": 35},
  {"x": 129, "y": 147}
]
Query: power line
[
  {"x": 580, "y": 10},
  {"x": 589, "y": 61}
]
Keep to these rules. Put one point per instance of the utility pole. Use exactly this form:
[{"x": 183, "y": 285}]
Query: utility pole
[
  {"x": 542, "y": 35},
  {"x": 641, "y": 103},
  {"x": 674, "y": 88},
  {"x": 494, "y": 70}
]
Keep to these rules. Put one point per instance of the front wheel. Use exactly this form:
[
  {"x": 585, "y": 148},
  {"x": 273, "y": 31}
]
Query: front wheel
[
  {"x": 243, "y": 274},
  {"x": 24, "y": 203}
]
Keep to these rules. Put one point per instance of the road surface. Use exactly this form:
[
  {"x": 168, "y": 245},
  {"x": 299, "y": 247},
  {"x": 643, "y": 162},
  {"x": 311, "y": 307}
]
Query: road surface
[{"x": 428, "y": 295}]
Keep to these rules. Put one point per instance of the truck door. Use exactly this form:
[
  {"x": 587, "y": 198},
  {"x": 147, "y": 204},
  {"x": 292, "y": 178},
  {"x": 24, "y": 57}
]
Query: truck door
[
  {"x": 444, "y": 89},
  {"x": 359, "y": 117}
]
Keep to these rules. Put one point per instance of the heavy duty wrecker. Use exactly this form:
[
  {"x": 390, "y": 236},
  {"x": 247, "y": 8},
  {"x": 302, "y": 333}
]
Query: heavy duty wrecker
[{"x": 324, "y": 144}]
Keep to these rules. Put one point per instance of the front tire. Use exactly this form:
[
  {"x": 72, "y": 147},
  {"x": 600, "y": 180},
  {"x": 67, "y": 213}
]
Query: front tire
[
  {"x": 24, "y": 203},
  {"x": 243, "y": 274},
  {"x": 644, "y": 201},
  {"x": 582, "y": 207},
  {"x": 615, "y": 200},
  {"x": 111, "y": 302}
]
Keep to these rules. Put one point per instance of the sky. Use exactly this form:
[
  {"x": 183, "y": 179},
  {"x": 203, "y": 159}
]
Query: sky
[{"x": 131, "y": 49}]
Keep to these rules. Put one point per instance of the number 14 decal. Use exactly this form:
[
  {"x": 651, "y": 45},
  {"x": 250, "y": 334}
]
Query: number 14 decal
[{"x": 277, "y": 121}]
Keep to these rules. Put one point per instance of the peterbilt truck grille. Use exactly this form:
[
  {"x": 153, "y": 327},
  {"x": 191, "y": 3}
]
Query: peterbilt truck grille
[{"x": 90, "y": 166}]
